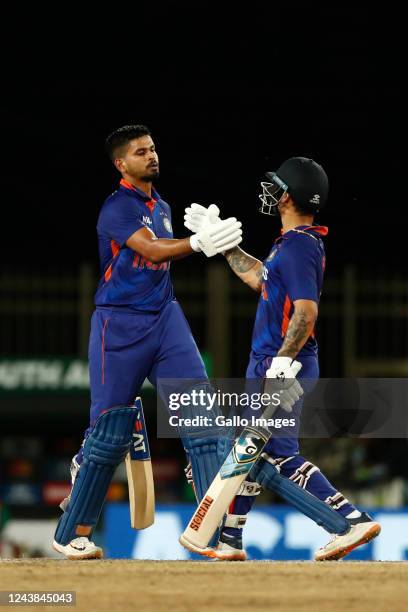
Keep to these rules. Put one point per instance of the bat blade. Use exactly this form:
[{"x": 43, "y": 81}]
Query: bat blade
[
  {"x": 140, "y": 475},
  {"x": 223, "y": 489}
]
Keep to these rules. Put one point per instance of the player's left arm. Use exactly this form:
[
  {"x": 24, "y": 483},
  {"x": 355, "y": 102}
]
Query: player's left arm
[
  {"x": 299, "y": 266},
  {"x": 300, "y": 327}
]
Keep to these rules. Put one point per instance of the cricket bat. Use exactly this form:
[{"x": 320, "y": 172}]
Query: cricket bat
[
  {"x": 242, "y": 457},
  {"x": 211, "y": 509},
  {"x": 140, "y": 475}
]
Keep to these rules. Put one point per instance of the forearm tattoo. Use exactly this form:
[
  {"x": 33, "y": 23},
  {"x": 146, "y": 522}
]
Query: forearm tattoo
[
  {"x": 240, "y": 261},
  {"x": 299, "y": 330},
  {"x": 259, "y": 274}
]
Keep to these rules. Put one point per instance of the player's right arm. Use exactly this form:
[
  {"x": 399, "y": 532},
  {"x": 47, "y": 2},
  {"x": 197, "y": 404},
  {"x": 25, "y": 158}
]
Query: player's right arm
[
  {"x": 122, "y": 222},
  {"x": 247, "y": 268},
  {"x": 157, "y": 250}
]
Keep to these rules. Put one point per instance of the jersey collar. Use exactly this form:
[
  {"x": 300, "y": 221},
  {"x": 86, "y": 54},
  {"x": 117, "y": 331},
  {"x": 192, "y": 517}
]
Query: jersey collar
[
  {"x": 150, "y": 202},
  {"x": 318, "y": 229},
  {"x": 313, "y": 229}
]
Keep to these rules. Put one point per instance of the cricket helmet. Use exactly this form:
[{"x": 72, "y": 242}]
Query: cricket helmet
[{"x": 302, "y": 178}]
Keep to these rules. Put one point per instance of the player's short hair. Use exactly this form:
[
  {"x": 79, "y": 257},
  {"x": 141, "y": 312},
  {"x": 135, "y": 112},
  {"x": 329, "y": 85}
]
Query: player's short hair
[
  {"x": 122, "y": 136},
  {"x": 304, "y": 209}
]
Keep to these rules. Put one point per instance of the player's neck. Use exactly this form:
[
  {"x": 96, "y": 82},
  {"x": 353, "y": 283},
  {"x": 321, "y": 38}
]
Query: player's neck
[
  {"x": 291, "y": 220},
  {"x": 144, "y": 186}
]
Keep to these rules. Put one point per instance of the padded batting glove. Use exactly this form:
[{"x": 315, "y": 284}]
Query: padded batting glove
[
  {"x": 284, "y": 371},
  {"x": 217, "y": 237},
  {"x": 197, "y": 217}
]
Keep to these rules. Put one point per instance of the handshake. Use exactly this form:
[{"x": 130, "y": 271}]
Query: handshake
[{"x": 211, "y": 235}]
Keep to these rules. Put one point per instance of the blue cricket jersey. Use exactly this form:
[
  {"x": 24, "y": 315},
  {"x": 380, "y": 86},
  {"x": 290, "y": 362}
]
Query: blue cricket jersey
[
  {"x": 128, "y": 279},
  {"x": 293, "y": 271}
]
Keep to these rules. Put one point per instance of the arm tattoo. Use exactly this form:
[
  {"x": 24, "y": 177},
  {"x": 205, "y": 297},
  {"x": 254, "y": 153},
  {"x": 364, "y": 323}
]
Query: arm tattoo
[
  {"x": 299, "y": 329},
  {"x": 259, "y": 274},
  {"x": 240, "y": 261}
]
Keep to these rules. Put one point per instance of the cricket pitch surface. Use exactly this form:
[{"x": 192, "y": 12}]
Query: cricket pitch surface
[{"x": 198, "y": 586}]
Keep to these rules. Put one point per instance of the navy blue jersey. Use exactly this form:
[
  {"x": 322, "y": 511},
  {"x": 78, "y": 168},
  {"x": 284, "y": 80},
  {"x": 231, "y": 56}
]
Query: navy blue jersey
[
  {"x": 292, "y": 271},
  {"x": 128, "y": 279}
]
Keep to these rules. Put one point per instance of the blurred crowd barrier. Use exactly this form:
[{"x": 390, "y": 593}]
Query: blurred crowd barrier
[
  {"x": 278, "y": 533},
  {"x": 362, "y": 328},
  {"x": 272, "y": 532}
]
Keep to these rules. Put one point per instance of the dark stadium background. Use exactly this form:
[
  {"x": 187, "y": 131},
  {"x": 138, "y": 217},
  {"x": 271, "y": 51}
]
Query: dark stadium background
[{"x": 225, "y": 103}]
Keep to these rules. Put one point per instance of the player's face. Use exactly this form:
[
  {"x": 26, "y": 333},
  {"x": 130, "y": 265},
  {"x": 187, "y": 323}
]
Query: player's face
[{"x": 140, "y": 160}]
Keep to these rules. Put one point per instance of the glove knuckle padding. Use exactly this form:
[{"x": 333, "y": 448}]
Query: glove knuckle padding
[
  {"x": 198, "y": 208},
  {"x": 267, "y": 475},
  {"x": 292, "y": 394},
  {"x": 224, "y": 225},
  {"x": 104, "y": 449},
  {"x": 213, "y": 213},
  {"x": 226, "y": 235}
]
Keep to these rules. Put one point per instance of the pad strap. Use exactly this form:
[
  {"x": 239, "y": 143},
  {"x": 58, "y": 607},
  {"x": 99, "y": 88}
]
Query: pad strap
[
  {"x": 249, "y": 489},
  {"x": 235, "y": 520}
]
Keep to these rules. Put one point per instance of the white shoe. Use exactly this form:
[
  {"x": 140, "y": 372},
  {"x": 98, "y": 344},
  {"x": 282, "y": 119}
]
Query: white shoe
[
  {"x": 229, "y": 551},
  {"x": 79, "y": 548},
  {"x": 362, "y": 530},
  {"x": 224, "y": 551}
]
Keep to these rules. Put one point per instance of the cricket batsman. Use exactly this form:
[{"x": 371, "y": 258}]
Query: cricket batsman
[
  {"x": 289, "y": 282},
  {"x": 138, "y": 331}
]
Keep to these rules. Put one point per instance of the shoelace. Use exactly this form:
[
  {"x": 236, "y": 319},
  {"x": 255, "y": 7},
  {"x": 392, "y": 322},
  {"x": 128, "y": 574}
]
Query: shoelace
[
  {"x": 82, "y": 541},
  {"x": 334, "y": 536}
]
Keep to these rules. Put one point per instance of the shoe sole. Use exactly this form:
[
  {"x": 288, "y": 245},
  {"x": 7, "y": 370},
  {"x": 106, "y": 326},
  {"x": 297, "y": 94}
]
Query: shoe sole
[
  {"x": 342, "y": 552},
  {"x": 96, "y": 554},
  {"x": 222, "y": 556},
  {"x": 239, "y": 555}
]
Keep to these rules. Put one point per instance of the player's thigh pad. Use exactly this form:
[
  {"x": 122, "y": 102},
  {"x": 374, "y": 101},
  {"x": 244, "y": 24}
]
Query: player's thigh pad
[
  {"x": 267, "y": 475},
  {"x": 105, "y": 448}
]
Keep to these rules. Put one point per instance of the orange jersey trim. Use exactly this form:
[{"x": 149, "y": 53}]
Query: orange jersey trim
[
  {"x": 115, "y": 252},
  {"x": 285, "y": 320},
  {"x": 150, "y": 203}
]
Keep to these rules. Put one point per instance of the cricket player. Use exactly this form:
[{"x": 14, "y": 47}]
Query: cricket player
[
  {"x": 138, "y": 331},
  {"x": 290, "y": 283}
]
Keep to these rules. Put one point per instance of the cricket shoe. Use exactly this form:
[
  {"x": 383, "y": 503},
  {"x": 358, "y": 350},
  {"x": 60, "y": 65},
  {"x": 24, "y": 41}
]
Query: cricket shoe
[
  {"x": 79, "y": 548},
  {"x": 229, "y": 548},
  {"x": 363, "y": 529}
]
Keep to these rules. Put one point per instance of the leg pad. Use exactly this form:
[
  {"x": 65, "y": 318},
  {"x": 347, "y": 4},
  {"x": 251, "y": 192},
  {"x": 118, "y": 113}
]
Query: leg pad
[{"x": 105, "y": 448}]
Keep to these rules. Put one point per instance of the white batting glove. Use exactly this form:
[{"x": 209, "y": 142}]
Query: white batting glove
[
  {"x": 197, "y": 217},
  {"x": 217, "y": 237},
  {"x": 284, "y": 371}
]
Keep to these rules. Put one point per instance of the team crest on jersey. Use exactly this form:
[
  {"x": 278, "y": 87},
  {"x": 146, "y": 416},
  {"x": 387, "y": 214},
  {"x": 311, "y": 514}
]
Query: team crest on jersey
[
  {"x": 167, "y": 225},
  {"x": 147, "y": 220}
]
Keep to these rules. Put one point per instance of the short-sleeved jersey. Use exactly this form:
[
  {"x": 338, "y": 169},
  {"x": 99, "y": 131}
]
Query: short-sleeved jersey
[
  {"x": 128, "y": 279},
  {"x": 293, "y": 271}
]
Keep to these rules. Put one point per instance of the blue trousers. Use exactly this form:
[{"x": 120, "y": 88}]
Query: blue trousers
[{"x": 126, "y": 348}]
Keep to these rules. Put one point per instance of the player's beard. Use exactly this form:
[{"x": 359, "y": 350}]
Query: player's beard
[{"x": 148, "y": 178}]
